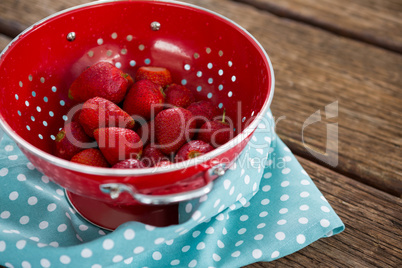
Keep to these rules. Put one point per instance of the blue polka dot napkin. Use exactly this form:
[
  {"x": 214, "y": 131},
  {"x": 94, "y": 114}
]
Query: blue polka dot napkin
[{"x": 265, "y": 207}]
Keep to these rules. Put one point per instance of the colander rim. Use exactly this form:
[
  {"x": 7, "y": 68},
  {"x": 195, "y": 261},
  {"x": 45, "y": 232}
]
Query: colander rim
[{"x": 151, "y": 170}]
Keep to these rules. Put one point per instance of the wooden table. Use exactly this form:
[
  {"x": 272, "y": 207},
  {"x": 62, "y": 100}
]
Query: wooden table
[{"x": 322, "y": 52}]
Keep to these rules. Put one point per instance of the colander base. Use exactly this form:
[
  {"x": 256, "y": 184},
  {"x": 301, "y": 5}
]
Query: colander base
[{"x": 109, "y": 217}]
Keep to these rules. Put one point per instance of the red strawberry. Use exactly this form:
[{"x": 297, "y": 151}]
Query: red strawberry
[
  {"x": 90, "y": 157},
  {"x": 173, "y": 128},
  {"x": 163, "y": 163},
  {"x": 118, "y": 144},
  {"x": 99, "y": 112},
  {"x": 179, "y": 96},
  {"x": 144, "y": 99},
  {"x": 69, "y": 141},
  {"x": 102, "y": 79},
  {"x": 129, "y": 163},
  {"x": 215, "y": 132},
  {"x": 151, "y": 156},
  {"x": 159, "y": 75},
  {"x": 203, "y": 111},
  {"x": 193, "y": 149},
  {"x": 147, "y": 132}
]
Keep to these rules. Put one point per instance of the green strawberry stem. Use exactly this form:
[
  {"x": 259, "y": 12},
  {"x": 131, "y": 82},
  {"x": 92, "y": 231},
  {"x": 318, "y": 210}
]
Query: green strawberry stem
[{"x": 223, "y": 117}]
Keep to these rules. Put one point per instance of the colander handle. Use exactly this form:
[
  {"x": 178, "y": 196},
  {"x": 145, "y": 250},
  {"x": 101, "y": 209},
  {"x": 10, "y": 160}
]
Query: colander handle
[{"x": 115, "y": 189}]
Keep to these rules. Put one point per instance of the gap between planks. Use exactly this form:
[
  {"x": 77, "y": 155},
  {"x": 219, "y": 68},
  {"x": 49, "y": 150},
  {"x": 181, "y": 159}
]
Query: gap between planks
[{"x": 327, "y": 26}]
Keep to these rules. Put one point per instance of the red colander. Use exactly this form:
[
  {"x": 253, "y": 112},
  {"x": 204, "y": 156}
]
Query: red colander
[{"x": 209, "y": 54}]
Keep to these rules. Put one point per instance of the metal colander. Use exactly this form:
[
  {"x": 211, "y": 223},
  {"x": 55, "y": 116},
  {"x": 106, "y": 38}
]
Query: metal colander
[{"x": 209, "y": 54}]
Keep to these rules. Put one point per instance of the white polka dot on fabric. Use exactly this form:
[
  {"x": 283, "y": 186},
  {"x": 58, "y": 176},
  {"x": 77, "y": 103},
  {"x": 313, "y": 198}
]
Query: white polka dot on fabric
[
  {"x": 3, "y": 172},
  {"x": 263, "y": 214},
  {"x": 200, "y": 246},
  {"x": 83, "y": 227},
  {"x": 243, "y": 217},
  {"x": 285, "y": 184},
  {"x": 284, "y": 197},
  {"x": 324, "y": 223},
  {"x": 261, "y": 225},
  {"x": 159, "y": 240},
  {"x": 51, "y": 207},
  {"x": 150, "y": 227},
  {"x": 224, "y": 231},
  {"x": 226, "y": 184},
  {"x": 129, "y": 260},
  {"x": 216, "y": 257},
  {"x": 196, "y": 233},
  {"x": 9, "y": 148},
  {"x": 32, "y": 200},
  {"x": 189, "y": 207},
  {"x": 21, "y": 244},
  {"x": 138, "y": 250},
  {"x": 13, "y": 195},
  {"x": 265, "y": 201},
  {"x": 129, "y": 234},
  {"x": 266, "y": 188},
  {"x": 301, "y": 239},
  {"x": 86, "y": 253},
  {"x": 169, "y": 242},
  {"x": 54, "y": 244},
  {"x": 283, "y": 211},
  {"x": 235, "y": 254},
  {"x": 43, "y": 225},
  {"x": 34, "y": 238},
  {"x": 303, "y": 220},
  {"x": 45, "y": 263},
  {"x": 21, "y": 177},
  {"x": 210, "y": 230},
  {"x": 24, "y": 219},
  {"x": 5, "y": 214},
  {"x": 62, "y": 227},
  {"x": 203, "y": 198},
  {"x": 281, "y": 222},
  {"x": 196, "y": 215},
  {"x": 64, "y": 259},
  {"x": 217, "y": 203},
  {"x": 2, "y": 246},
  {"x": 257, "y": 253},
  {"x": 175, "y": 262},
  {"x": 286, "y": 171},
  {"x": 325, "y": 209},
  {"x": 220, "y": 244},
  {"x": 45, "y": 179},
  {"x": 192, "y": 264},
  {"x": 26, "y": 264},
  {"x": 185, "y": 248},
  {"x": 247, "y": 179},
  {"x": 275, "y": 254},
  {"x": 117, "y": 258},
  {"x": 304, "y": 194},
  {"x": 280, "y": 235},
  {"x": 304, "y": 207},
  {"x": 156, "y": 256},
  {"x": 13, "y": 157},
  {"x": 242, "y": 231},
  {"x": 267, "y": 175},
  {"x": 108, "y": 244},
  {"x": 238, "y": 243},
  {"x": 60, "y": 192},
  {"x": 96, "y": 266},
  {"x": 258, "y": 237},
  {"x": 304, "y": 182}
]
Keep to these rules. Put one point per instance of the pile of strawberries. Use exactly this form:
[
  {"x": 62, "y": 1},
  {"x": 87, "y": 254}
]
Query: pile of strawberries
[{"x": 147, "y": 123}]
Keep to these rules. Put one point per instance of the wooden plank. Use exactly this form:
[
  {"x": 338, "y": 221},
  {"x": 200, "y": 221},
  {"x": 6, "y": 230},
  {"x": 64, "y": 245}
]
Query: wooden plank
[
  {"x": 376, "y": 22},
  {"x": 4, "y": 40},
  {"x": 313, "y": 69},
  {"x": 373, "y": 226}
]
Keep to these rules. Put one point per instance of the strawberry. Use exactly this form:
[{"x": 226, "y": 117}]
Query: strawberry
[
  {"x": 71, "y": 140},
  {"x": 192, "y": 149},
  {"x": 203, "y": 111},
  {"x": 118, "y": 144},
  {"x": 179, "y": 96},
  {"x": 152, "y": 155},
  {"x": 99, "y": 112},
  {"x": 173, "y": 128},
  {"x": 144, "y": 99},
  {"x": 102, "y": 79},
  {"x": 147, "y": 132},
  {"x": 163, "y": 163},
  {"x": 129, "y": 163},
  {"x": 90, "y": 157},
  {"x": 159, "y": 75},
  {"x": 215, "y": 132}
]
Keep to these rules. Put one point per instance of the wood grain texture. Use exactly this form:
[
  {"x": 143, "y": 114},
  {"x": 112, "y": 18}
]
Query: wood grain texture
[
  {"x": 313, "y": 68},
  {"x": 376, "y": 22},
  {"x": 4, "y": 40}
]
